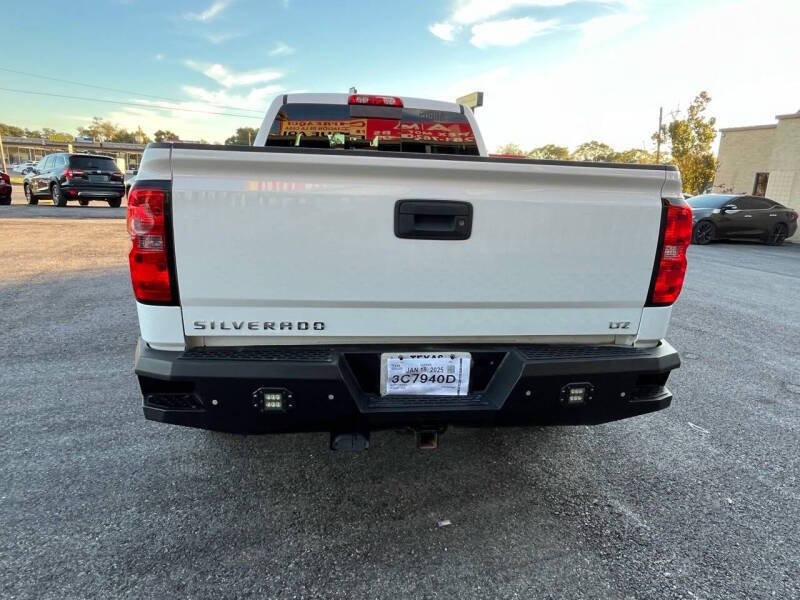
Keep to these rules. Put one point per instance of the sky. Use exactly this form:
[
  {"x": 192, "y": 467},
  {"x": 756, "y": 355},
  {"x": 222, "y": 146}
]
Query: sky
[{"x": 552, "y": 71}]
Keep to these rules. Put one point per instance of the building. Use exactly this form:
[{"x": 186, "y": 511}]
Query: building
[
  {"x": 763, "y": 160},
  {"x": 20, "y": 149}
]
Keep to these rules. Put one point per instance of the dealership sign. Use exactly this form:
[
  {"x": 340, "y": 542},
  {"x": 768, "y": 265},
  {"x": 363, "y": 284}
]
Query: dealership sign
[{"x": 383, "y": 129}]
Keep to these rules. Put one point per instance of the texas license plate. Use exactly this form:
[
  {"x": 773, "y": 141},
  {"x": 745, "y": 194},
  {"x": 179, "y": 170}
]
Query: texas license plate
[{"x": 425, "y": 374}]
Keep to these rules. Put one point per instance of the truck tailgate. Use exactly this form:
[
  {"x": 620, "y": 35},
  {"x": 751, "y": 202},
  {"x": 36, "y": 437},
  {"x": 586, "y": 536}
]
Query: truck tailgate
[{"x": 302, "y": 244}]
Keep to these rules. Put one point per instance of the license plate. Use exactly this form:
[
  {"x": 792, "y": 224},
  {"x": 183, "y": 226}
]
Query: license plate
[
  {"x": 425, "y": 374},
  {"x": 98, "y": 178}
]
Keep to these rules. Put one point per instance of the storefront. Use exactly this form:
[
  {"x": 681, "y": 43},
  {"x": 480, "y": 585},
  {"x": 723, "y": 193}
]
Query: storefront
[{"x": 17, "y": 150}]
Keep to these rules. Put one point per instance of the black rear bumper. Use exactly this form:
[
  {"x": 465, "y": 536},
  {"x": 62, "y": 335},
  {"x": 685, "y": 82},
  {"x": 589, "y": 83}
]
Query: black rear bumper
[
  {"x": 96, "y": 190},
  {"x": 336, "y": 388}
]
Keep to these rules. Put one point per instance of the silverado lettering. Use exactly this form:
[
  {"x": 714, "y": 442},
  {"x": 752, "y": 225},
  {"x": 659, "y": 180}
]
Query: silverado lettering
[{"x": 200, "y": 325}]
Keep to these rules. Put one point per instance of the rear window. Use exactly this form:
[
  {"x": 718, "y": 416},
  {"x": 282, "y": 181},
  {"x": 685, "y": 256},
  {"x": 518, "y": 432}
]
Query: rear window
[
  {"x": 93, "y": 162},
  {"x": 709, "y": 200},
  {"x": 389, "y": 129}
]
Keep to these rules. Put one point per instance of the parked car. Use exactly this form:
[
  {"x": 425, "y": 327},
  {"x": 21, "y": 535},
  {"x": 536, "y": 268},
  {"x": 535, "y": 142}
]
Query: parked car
[
  {"x": 5, "y": 188},
  {"x": 368, "y": 266},
  {"x": 26, "y": 167},
  {"x": 82, "y": 177},
  {"x": 739, "y": 216}
]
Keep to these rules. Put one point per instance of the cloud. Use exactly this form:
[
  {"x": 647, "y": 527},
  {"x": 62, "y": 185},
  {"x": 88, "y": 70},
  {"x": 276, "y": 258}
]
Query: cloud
[
  {"x": 84, "y": 118},
  {"x": 601, "y": 29},
  {"x": 465, "y": 13},
  {"x": 256, "y": 99},
  {"x": 157, "y": 114},
  {"x": 227, "y": 78},
  {"x": 281, "y": 49},
  {"x": 509, "y": 32},
  {"x": 208, "y": 14},
  {"x": 444, "y": 31},
  {"x": 219, "y": 38},
  {"x": 472, "y": 11},
  {"x": 577, "y": 96}
]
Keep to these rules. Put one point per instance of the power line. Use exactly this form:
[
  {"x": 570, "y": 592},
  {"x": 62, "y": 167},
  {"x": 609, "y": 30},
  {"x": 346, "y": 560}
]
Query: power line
[
  {"x": 152, "y": 106},
  {"x": 110, "y": 89}
]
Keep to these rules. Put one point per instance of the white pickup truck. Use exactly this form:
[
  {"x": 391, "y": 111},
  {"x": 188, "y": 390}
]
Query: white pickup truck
[{"x": 366, "y": 265}]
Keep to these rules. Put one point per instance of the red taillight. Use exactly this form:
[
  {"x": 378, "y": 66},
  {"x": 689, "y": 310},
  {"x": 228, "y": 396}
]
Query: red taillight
[
  {"x": 794, "y": 216},
  {"x": 671, "y": 267},
  {"x": 73, "y": 173},
  {"x": 375, "y": 100},
  {"x": 148, "y": 258},
  {"x": 5, "y": 177}
]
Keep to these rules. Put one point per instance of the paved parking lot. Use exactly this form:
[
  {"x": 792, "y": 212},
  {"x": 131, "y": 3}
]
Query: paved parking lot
[
  {"x": 699, "y": 501},
  {"x": 19, "y": 208}
]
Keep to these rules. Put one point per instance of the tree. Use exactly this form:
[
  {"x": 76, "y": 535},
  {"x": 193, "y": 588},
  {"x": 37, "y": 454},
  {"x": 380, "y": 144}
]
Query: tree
[
  {"x": 510, "y": 149},
  {"x": 636, "y": 155},
  {"x": 46, "y": 133},
  {"x": 56, "y": 136},
  {"x": 549, "y": 152},
  {"x": 141, "y": 137},
  {"x": 166, "y": 136},
  {"x": 244, "y": 137},
  {"x": 100, "y": 130},
  {"x": 594, "y": 151},
  {"x": 690, "y": 141},
  {"x": 11, "y": 130},
  {"x": 124, "y": 136}
]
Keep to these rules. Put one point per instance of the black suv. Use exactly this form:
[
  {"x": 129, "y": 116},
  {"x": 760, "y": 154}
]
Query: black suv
[{"x": 81, "y": 177}]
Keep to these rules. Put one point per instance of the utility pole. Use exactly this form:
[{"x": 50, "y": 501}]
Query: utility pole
[
  {"x": 3, "y": 154},
  {"x": 249, "y": 143},
  {"x": 658, "y": 139}
]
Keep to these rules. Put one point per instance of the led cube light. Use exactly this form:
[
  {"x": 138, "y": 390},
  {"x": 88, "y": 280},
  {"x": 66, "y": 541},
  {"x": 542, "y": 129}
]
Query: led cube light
[
  {"x": 271, "y": 400},
  {"x": 576, "y": 394}
]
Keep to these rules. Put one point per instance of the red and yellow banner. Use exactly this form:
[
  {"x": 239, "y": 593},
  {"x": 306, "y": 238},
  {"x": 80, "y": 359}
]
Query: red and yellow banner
[
  {"x": 320, "y": 128},
  {"x": 383, "y": 129},
  {"x": 387, "y": 129}
]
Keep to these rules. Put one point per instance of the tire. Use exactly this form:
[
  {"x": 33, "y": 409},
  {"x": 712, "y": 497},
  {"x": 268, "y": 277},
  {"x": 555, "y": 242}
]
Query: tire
[
  {"x": 5, "y": 201},
  {"x": 83, "y": 202},
  {"x": 59, "y": 199},
  {"x": 704, "y": 233},
  {"x": 32, "y": 200},
  {"x": 778, "y": 235},
  {"x": 114, "y": 202}
]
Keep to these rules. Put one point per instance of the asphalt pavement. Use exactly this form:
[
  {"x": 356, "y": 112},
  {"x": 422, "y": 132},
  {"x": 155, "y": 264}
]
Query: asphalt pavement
[
  {"x": 20, "y": 209},
  {"x": 699, "y": 501}
]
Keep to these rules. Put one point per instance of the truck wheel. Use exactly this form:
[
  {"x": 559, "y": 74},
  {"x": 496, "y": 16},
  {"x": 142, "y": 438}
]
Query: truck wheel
[
  {"x": 114, "y": 202},
  {"x": 704, "y": 232},
  {"x": 57, "y": 195},
  {"x": 83, "y": 202},
  {"x": 778, "y": 235},
  {"x": 32, "y": 200}
]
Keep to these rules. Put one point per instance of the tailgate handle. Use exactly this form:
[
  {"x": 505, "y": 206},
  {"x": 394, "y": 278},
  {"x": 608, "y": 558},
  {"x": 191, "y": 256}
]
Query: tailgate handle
[{"x": 432, "y": 219}]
